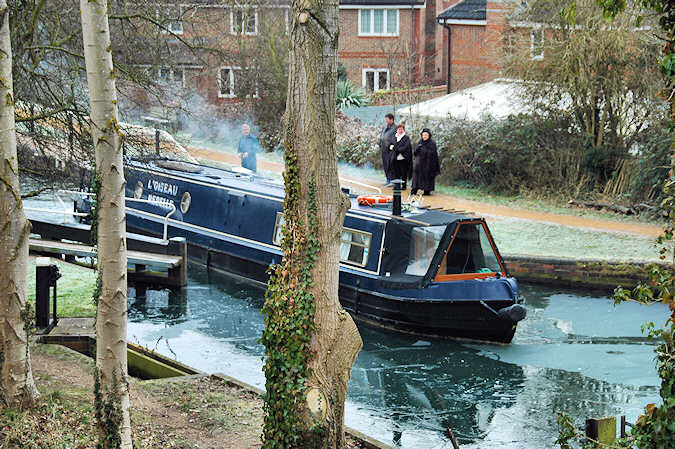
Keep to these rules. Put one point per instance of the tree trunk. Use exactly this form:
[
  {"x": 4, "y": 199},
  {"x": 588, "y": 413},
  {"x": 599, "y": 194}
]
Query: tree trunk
[
  {"x": 112, "y": 395},
  {"x": 310, "y": 138},
  {"x": 16, "y": 378}
]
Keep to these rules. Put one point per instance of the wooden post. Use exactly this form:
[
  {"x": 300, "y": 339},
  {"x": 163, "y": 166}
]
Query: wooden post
[
  {"x": 601, "y": 430},
  {"x": 178, "y": 247}
]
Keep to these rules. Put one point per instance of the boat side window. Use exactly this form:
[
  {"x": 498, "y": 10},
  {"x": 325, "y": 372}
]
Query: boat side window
[
  {"x": 278, "y": 224},
  {"x": 423, "y": 246},
  {"x": 471, "y": 251},
  {"x": 354, "y": 246}
]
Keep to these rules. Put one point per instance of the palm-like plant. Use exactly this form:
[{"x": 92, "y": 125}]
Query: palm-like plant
[{"x": 350, "y": 96}]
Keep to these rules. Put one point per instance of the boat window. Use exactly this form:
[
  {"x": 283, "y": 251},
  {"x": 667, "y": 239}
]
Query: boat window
[
  {"x": 471, "y": 252},
  {"x": 423, "y": 246},
  {"x": 354, "y": 246},
  {"x": 278, "y": 224}
]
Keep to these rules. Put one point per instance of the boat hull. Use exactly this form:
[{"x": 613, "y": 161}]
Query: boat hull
[
  {"x": 462, "y": 319},
  {"x": 231, "y": 226}
]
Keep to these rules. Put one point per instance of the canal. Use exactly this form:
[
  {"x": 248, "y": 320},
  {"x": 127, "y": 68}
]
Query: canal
[{"x": 574, "y": 352}]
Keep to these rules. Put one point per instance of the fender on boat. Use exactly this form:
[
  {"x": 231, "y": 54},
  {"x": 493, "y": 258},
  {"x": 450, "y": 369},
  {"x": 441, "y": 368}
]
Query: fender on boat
[{"x": 513, "y": 313}]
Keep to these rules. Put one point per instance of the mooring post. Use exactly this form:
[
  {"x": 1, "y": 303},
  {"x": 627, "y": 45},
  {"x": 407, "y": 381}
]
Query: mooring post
[
  {"x": 601, "y": 430},
  {"x": 178, "y": 247},
  {"x": 396, "y": 207},
  {"x": 157, "y": 142},
  {"x": 46, "y": 275}
]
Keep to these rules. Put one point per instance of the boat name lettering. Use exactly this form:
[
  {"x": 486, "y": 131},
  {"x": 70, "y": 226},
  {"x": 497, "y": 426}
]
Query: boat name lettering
[
  {"x": 164, "y": 201},
  {"x": 162, "y": 187}
]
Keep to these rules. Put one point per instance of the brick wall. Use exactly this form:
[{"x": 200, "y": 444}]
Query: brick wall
[
  {"x": 393, "y": 52},
  {"x": 602, "y": 274}
]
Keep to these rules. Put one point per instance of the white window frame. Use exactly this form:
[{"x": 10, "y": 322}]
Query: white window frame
[
  {"x": 173, "y": 26},
  {"x": 537, "y": 49},
  {"x": 248, "y": 9},
  {"x": 176, "y": 27},
  {"x": 376, "y": 79},
  {"x": 276, "y": 240},
  {"x": 366, "y": 247},
  {"x": 371, "y": 32},
  {"x": 231, "y": 81}
]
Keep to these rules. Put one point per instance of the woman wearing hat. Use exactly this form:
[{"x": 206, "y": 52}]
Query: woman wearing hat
[
  {"x": 402, "y": 148},
  {"x": 427, "y": 166}
]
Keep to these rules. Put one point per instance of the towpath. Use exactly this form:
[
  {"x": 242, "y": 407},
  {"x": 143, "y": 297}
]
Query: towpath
[{"x": 480, "y": 208}]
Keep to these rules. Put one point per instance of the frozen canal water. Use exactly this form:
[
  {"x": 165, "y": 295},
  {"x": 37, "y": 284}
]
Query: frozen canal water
[{"x": 574, "y": 352}]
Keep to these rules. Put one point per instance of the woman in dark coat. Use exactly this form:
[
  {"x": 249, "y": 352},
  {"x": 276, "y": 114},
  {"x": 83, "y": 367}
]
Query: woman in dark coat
[
  {"x": 426, "y": 164},
  {"x": 402, "y": 160}
]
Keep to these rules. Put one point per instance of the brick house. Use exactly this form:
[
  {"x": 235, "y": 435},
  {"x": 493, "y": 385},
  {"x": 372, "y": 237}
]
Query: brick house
[
  {"x": 383, "y": 44},
  {"x": 473, "y": 40}
]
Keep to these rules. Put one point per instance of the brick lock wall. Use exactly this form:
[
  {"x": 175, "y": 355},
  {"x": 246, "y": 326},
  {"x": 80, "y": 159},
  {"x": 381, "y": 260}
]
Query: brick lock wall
[{"x": 601, "y": 274}]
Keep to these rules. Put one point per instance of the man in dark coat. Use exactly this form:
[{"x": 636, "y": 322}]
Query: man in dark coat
[
  {"x": 402, "y": 150},
  {"x": 427, "y": 166},
  {"x": 383, "y": 142},
  {"x": 248, "y": 148}
]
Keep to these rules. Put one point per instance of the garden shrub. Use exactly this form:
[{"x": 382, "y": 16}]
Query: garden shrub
[
  {"x": 513, "y": 155},
  {"x": 653, "y": 163}
]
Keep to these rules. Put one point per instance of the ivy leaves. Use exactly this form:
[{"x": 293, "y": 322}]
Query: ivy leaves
[{"x": 289, "y": 318}]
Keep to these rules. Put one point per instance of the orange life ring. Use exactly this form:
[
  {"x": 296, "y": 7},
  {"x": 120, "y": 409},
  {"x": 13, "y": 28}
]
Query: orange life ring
[{"x": 372, "y": 200}]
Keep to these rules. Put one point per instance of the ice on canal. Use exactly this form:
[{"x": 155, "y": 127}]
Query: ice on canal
[{"x": 575, "y": 352}]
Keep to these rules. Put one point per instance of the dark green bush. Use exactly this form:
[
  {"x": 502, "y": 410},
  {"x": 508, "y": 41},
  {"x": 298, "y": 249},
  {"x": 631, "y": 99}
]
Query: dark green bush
[
  {"x": 517, "y": 154},
  {"x": 653, "y": 164}
]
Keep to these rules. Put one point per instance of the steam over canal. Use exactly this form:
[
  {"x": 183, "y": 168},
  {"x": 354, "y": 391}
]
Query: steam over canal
[{"x": 574, "y": 352}]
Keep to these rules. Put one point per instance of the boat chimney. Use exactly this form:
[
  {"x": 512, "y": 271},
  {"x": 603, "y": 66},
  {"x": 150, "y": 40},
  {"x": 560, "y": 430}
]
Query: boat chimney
[{"x": 396, "y": 209}]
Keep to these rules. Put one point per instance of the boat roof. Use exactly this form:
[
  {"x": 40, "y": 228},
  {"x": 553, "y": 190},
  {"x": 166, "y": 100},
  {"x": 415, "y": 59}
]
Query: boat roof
[{"x": 259, "y": 185}]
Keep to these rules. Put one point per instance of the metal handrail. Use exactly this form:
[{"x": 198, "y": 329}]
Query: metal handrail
[
  {"x": 159, "y": 203},
  {"x": 65, "y": 212},
  {"x": 350, "y": 181}
]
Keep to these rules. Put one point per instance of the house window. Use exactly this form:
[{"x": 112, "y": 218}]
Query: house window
[
  {"x": 226, "y": 82},
  {"x": 537, "y": 43},
  {"x": 168, "y": 75},
  {"x": 172, "y": 19},
  {"x": 375, "y": 79},
  {"x": 378, "y": 22},
  {"x": 354, "y": 246},
  {"x": 244, "y": 21},
  {"x": 176, "y": 26}
]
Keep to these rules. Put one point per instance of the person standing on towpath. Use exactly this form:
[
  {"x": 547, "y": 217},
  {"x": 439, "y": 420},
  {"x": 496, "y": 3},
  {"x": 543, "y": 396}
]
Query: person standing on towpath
[
  {"x": 426, "y": 164},
  {"x": 387, "y": 155},
  {"x": 248, "y": 148}
]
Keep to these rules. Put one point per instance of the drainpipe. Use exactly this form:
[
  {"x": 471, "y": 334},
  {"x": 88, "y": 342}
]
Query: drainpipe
[
  {"x": 412, "y": 44},
  {"x": 449, "y": 77}
]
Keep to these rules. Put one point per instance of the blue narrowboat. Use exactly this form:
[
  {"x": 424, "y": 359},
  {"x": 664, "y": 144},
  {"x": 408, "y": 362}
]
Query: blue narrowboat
[{"x": 429, "y": 273}]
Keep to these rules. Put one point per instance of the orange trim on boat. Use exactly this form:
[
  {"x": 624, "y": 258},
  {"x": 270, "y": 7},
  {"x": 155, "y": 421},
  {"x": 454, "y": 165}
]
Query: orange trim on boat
[{"x": 468, "y": 276}]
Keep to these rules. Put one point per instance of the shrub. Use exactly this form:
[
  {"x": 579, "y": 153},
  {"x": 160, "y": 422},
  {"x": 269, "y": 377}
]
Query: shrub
[
  {"x": 349, "y": 96},
  {"x": 653, "y": 163}
]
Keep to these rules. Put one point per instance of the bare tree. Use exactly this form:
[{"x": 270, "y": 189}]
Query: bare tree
[
  {"x": 111, "y": 320},
  {"x": 311, "y": 341},
  {"x": 576, "y": 63},
  {"x": 17, "y": 388}
]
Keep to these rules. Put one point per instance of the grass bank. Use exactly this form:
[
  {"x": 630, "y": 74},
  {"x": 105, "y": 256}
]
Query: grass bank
[
  {"x": 75, "y": 289},
  {"x": 187, "y": 413}
]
